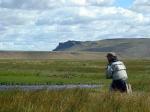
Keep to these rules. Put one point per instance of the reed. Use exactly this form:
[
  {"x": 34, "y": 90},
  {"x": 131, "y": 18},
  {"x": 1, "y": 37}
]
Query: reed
[{"x": 74, "y": 100}]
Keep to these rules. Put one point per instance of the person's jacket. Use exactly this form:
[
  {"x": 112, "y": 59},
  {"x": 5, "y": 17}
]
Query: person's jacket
[{"x": 116, "y": 71}]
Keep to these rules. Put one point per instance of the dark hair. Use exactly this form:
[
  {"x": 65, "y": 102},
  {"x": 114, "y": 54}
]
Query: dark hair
[
  {"x": 113, "y": 59},
  {"x": 111, "y": 54}
]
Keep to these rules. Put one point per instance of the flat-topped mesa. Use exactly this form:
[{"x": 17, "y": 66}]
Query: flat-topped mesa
[{"x": 66, "y": 45}]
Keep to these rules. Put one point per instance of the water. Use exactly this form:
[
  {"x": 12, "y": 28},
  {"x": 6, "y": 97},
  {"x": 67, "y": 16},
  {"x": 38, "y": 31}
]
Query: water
[{"x": 47, "y": 87}]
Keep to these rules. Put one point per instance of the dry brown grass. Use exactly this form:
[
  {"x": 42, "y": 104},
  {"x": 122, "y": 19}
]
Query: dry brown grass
[{"x": 76, "y": 100}]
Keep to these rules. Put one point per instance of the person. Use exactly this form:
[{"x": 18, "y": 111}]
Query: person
[{"x": 116, "y": 70}]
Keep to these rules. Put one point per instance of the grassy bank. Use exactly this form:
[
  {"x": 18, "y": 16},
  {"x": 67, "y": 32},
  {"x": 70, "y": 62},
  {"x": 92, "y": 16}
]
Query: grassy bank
[{"x": 77, "y": 100}]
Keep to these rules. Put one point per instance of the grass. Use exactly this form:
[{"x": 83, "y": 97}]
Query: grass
[
  {"x": 50, "y": 71},
  {"x": 74, "y": 100},
  {"x": 70, "y": 72}
]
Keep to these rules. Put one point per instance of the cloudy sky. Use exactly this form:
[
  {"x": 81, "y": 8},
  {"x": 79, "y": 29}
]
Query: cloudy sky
[{"x": 41, "y": 24}]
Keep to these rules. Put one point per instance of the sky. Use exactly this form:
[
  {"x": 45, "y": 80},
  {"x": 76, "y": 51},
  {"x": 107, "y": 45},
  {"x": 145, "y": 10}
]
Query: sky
[{"x": 39, "y": 25}]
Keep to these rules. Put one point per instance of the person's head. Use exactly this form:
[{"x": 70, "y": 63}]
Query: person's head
[{"x": 111, "y": 57}]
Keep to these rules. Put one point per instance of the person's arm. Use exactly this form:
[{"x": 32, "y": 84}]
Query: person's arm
[{"x": 109, "y": 72}]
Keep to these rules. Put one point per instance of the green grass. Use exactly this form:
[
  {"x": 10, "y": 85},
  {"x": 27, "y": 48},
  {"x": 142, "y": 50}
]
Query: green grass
[
  {"x": 73, "y": 100},
  {"x": 50, "y": 71},
  {"x": 70, "y": 72}
]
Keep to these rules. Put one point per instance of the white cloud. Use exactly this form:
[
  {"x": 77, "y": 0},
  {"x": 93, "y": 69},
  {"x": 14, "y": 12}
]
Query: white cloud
[
  {"x": 42, "y": 24},
  {"x": 49, "y": 4},
  {"x": 17, "y": 17},
  {"x": 142, "y": 6},
  {"x": 85, "y": 15},
  {"x": 141, "y": 2}
]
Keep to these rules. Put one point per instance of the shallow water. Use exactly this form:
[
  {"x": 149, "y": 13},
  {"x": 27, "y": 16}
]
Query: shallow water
[{"x": 47, "y": 87}]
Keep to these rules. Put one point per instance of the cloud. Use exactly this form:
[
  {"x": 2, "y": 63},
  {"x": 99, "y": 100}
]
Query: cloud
[
  {"x": 50, "y": 4},
  {"x": 142, "y": 2},
  {"x": 2, "y": 28},
  {"x": 142, "y": 6},
  {"x": 82, "y": 15},
  {"x": 42, "y": 24},
  {"x": 17, "y": 17}
]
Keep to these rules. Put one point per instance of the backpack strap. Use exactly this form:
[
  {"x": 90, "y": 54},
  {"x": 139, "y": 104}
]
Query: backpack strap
[{"x": 118, "y": 66}]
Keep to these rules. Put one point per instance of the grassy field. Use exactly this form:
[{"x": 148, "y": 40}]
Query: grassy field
[
  {"x": 50, "y": 71},
  {"x": 73, "y": 100},
  {"x": 70, "y": 72}
]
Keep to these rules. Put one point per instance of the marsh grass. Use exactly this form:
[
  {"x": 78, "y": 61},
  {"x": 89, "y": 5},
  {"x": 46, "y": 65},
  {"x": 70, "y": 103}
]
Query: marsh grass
[
  {"x": 28, "y": 72},
  {"x": 50, "y": 72},
  {"x": 74, "y": 100}
]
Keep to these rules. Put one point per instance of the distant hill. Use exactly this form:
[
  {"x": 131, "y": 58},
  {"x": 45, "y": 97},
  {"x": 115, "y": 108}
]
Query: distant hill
[
  {"x": 125, "y": 47},
  {"x": 88, "y": 50}
]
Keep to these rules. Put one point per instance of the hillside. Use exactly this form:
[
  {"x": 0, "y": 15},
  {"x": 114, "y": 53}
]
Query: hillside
[
  {"x": 130, "y": 47},
  {"x": 88, "y": 50}
]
